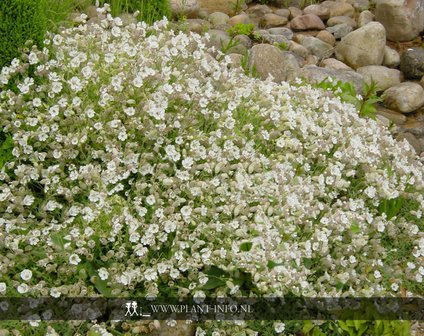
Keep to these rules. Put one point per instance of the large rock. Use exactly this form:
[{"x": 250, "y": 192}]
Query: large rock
[
  {"x": 403, "y": 19},
  {"x": 412, "y": 63},
  {"x": 198, "y": 25},
  {"x": 270, "y": 60},
  {"x": 188, "y": 8},
  {"x": 314, "y": 74},
  {"x": 391, "y": 57},
  {"x": 322, "y": 12},
  {"x": 382, "y": 76},
  {"x": 396, "y": 117},
  {"x": 306, "y": 22},
  {"x": 317, "y": 47},
  {"x": 404, "y": 97},
  {"x": 340, "y": 30},
  {"x": 298, "y": 49},
  {"x": 364, "y": 46},
  {"x": 224, "y": 6}
]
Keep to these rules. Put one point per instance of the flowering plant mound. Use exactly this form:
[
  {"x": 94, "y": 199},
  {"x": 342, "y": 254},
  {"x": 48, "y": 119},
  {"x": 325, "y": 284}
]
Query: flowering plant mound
[{"x": 142, "y": 166}]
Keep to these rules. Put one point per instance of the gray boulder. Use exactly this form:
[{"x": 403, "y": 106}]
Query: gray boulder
[
  {"x": 314, "y": 74},
  {"x": 270, "y": 60},
  {"x": 403, "y": 19},
  {"x": 340, "y": 30},
  {"x": 317, "y": 47},
  {"x": 391, "y": 57},
  {"x": 412, "y": 63},
  {"x": 383, "y": 77},
  {"x": 364, "y": 46},
  {"x": 404, "y": 97}
]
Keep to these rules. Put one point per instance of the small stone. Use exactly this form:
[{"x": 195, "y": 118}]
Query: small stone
[
  {"x": 412, "y": 63},
  {"x": 274, "y": 39},
  {"x": 298, "y": 49},
  {"x": 281, "y": 31},
  {"x": 383, "y": 77},
  {"x": 422, "y": 82},
  {"x": 294, "y": 12},
  {"x": 4, "y": 332},
  {"x": 341, "y": 19},
  {"x": 396, "y": 117},
  {"x": 307, "y": 22},
  {"x": 404, "y": 97},
  {"x": 283, "y": 12},
  {"x": 241, "y": 18},
  {"x": 256, "y": 12},
  {"x": 391, "y": 58},
  {"x": 332, "y": 63},
  {"x": 415, "y": 127},
  {"x": 327, "y": 37},
  {"x": 244, "y": 40},
  {"x": 340, "y": 30},
  {"x": 312, "y": 60},
  {"x": 317, "y": 47},
  {"x": 322, "y": 12},
  {"x": 198, "y": 25},
  {"x": 272, "y": 20},
  {"x": 339, "y": 8},
  {"x": 365, "y": 17},
  {"x": 218, "y": 18},
  {"x": 235, "y": 60},
  {"x": 412, "y": 140}
]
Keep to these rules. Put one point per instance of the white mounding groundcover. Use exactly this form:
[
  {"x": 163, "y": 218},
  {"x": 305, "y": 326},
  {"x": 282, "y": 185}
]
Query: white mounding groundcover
[{"x": 141, "y": 165}]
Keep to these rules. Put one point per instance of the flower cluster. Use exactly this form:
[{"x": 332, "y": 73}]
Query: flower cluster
[{"x": 142, "y": 165}]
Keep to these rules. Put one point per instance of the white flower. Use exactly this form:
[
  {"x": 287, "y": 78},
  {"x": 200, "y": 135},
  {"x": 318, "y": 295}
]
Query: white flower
[
  {"x": 186, "y": 211},
  {"x": 103, "y": 273},
  {"x": 28, "y": 200},
  {"x": 54, "y": 292},
  {"x": 377, "y": 274},
  {"x": 74, "y": 259},
  {"x": 187, "y": 163},
  {"x": 279, "y": 327},
  {"x": 150, "y": 200},
  {"x": 26, "y": 275},
  {"x": 137, "y": 82},
  {"x": 395, "y": 287},
  {"x": 2, "y": 288},
  {"x": 23, "y": 288}
]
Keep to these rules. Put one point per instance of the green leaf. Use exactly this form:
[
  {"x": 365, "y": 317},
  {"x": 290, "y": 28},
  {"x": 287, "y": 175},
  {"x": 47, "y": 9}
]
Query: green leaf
[
  {"x": 246, "y": 246},
  {"x": 307, "y": 326},
  {"x": 272, "y": 264},
  {"x": 213, "y": 282},
  {"x": 354, "y": 227}
]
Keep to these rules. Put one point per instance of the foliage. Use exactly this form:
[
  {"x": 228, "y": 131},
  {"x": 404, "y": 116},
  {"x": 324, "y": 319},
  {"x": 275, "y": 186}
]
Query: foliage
[
  {"x": 20, "y": 20},
  {"x": 347, "y": 92},
  {"x": 150, "y": 10},
  {"x": 283, "y": 46},
  {"x": 241, "y": 28},
  {"x": 237, "y": 6}
]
